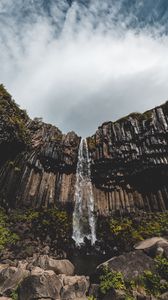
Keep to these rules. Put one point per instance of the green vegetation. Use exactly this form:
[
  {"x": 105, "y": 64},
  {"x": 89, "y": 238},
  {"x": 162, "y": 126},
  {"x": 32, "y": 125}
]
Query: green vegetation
[
  {"x": 91, "y": 143},
  {"x": 124, "y": 232},
  {"x": 146, "y": 116},
  {"x": 111, "y": 280},
  {"x": 6, "y": 235},
  {"x": 14, "y": 119},
  {"x": 14, "y": 295},
  {"x": 152, "y": 283},
  {"x": 43, "y": 223},
  {"x": 162, "y": 267}
]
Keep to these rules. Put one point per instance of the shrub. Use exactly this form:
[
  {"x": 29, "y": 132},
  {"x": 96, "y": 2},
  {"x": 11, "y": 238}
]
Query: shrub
[
  {"x": 6, "y": 235},
  {"x": 111, "y": 280},
  {"x": 153, "y": 283},
  {"x": 162, "y": 267}
]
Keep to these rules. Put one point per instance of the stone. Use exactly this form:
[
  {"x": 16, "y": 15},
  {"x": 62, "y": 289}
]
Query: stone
[
  {"x": 94, "y": 290},
  {"x": 63, "y": 266},
  {"x": 37, "y": 271},
  {"x": 148, "y": 243},
  {"x": 115, "y": 295},
  {"x": 127, "y": 157},
  {"x": 74, "y": 287},
  {"x": 10, "y": 278},
  {"x": 164, "y": 246},
  {"x": 164, "y": 296},
  {"x": 131, "y": 264},
  {"x": 46, "y": 285}
]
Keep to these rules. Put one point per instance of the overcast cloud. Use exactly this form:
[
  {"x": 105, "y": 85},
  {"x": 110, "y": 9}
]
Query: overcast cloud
[{"x": 77, "y": 67}]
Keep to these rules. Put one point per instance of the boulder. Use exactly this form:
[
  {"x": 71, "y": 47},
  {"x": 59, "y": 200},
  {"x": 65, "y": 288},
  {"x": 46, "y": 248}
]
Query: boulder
[
  {"x": 131, "y": 264},
  {"x": 44, "y": 286},
  {"x": 148, "y": 243},
  {"x": 164, "y": 296},
  {"x": 154, "y": 246},
  {"x": 63, "y": 266},
  {"x": 74, "y": 287},
  {"x": 164, "y": 246},
  {"x": 10, "y": 278}
]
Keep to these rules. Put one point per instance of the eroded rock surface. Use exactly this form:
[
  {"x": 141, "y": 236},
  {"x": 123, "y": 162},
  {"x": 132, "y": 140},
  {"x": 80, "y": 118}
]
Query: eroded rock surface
[
  {"x": 129, "y": 162},
  {"x": 131, "y": 265}
]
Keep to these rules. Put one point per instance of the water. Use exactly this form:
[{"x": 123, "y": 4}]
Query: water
[{"x": 83, "y": 216}]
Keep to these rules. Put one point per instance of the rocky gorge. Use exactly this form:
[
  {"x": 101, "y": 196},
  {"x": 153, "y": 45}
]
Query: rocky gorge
[{"x": 128, "y": 164}]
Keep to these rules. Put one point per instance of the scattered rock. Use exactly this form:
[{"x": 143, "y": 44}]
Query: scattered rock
[
  {"x": 74, "y": 287},
  {"x": 63, "y": 266}
]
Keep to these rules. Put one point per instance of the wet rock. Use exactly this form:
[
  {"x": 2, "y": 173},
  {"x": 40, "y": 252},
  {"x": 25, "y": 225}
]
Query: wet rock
[{"x": 131, "y": 264}]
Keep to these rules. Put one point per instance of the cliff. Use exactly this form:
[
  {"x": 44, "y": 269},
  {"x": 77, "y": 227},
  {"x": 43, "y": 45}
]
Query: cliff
[{"x": 129, "y": 160}]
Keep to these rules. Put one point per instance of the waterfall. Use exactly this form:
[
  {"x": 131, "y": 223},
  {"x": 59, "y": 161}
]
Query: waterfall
[{"x": 83, "y": 216}]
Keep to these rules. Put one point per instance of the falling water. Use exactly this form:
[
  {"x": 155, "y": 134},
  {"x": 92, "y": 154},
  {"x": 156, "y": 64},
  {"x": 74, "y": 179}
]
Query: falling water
[{"x": 83, "y": 216}]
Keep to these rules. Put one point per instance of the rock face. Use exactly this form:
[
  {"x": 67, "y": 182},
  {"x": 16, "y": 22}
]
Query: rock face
[
  {"x": 44, "y": 175},
  {"x": 129, "y": 161},
  {"x": 131, "y": 265},
  {"x": 63, "y": 266}
]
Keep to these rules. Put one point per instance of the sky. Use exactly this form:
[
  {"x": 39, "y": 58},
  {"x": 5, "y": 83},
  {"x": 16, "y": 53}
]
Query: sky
[{"x": 80, "y": 63}]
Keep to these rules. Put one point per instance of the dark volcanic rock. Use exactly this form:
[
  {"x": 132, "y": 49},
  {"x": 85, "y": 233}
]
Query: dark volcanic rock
[
  {"x": 129, "y": 161},
  {"x": 130, "y": 264},
  {"x": 10, "y": 278},
  {"x": 46, "y": 285}
]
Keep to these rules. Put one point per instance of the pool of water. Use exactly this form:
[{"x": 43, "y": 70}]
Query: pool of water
[{"x": 86, "y": 264}]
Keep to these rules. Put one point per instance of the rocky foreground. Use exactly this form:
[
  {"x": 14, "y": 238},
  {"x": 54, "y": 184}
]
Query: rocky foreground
[{"x": 132, "y": 275}]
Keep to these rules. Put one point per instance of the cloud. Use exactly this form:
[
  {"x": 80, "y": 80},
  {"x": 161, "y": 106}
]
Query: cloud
[{"x": 78, "y": 66}]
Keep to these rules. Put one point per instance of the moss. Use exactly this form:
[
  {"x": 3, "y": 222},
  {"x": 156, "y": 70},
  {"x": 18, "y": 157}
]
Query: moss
[
  {"x": 13, "y": 120},
  {"x": 6, "y": 235},
  {"x": 162, "y": 267},
  {"x": 124, "y": 232},
  {"x": 111, "y": 280},
  {"x": 153, "y": 283},
  {"x": 91, "y": 143},
  {"x": 146, "y": 116},
  {"x": 14, "y": 295},
  {"x": 4, "y": 93}
]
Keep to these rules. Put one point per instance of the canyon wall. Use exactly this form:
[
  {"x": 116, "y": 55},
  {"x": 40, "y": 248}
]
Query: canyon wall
[{"x": 129, "y": 161}]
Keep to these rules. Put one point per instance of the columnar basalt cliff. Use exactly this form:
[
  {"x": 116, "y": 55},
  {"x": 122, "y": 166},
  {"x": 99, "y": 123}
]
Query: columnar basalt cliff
[{"x": 129, "y": 161}]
